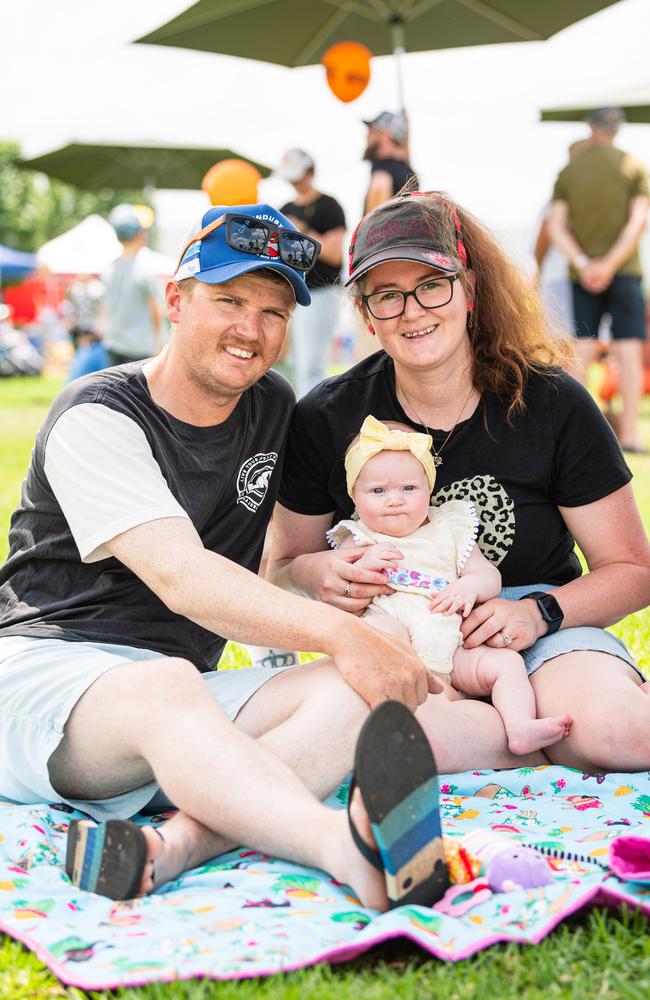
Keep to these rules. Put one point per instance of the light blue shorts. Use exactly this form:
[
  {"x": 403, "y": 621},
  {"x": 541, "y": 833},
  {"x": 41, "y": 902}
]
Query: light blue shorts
[
  {"x": 41, "y": 680},
  {"x": 567, "y": 640}
]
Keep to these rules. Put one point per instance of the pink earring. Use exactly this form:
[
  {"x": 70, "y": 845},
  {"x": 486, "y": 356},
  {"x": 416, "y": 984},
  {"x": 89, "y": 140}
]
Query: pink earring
[
  {"x": 371, "y": 329},
  {"x": 470, "y": 305}
]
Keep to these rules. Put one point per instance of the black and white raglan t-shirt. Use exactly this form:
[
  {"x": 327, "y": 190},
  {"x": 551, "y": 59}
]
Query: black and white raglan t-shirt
[{"x": 107, "y": 459}]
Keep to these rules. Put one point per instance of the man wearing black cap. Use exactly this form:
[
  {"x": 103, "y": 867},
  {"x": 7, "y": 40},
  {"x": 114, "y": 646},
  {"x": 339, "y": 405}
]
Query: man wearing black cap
[
  {"x": 134, "y": 553},
  {"x": 387, "y": 151},
  {"x": 598, "y": 212}
]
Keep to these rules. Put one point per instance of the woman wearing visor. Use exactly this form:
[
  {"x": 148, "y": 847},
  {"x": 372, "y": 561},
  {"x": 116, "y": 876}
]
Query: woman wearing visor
[{"x": 464, "y": 353}]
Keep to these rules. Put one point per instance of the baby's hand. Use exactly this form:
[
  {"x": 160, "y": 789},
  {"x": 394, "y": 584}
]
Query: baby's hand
[
  {"x": 458, "y": 597},
  {"x": 381, "y": 557}
]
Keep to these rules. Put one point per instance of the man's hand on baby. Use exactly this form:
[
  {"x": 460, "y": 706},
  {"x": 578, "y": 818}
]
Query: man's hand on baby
[
  {"x": 381, "y": 557},
  {"x": 380, "y": 666},
  {"x": 458, "y": 597}
]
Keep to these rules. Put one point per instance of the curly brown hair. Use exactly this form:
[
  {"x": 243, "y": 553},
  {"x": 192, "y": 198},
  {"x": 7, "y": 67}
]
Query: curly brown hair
[{"x": 509, "y": 331}]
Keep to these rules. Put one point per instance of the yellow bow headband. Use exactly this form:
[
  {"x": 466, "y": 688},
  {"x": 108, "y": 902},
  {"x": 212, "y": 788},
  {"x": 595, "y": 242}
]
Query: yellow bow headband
[{"x": 375, "y": 437}]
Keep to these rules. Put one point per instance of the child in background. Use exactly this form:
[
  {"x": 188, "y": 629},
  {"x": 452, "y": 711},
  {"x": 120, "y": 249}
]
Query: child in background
[{"x": 431, "y": 560}]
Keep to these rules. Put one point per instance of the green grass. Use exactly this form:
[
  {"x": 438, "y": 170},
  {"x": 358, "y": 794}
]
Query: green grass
[{"x": 597, "y": 954}]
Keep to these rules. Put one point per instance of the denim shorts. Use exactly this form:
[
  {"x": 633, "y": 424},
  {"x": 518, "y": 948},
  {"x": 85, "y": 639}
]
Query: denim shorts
[
  {"x": 567, "y": 640},
  {"x": 41, "y": 680}
]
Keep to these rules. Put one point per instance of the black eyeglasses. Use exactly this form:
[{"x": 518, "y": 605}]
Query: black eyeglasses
[
  {"x": 430, "y": 294},
  {"x": 248, "y": 235},
  {"x": 262, "y": 239}
]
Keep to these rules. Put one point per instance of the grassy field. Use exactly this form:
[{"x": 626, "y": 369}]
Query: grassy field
[{"x": 599, "y": 954}]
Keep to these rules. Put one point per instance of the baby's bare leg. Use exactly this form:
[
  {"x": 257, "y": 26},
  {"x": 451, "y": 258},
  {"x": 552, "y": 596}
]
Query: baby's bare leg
[
  {"x": 501, "y": 674},
  {"x": 384, "y": 622}
]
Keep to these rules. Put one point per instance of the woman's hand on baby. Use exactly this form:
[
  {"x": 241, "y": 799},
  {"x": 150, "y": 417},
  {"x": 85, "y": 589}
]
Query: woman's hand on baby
[
  {"x": 381, "y": 557},
  {"x": 457, "y": 598},
  {"x": 489, "y": 622},
  {"x": 345, "y": 583}
]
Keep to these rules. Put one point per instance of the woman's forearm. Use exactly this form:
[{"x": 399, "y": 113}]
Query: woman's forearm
[
  {"x": 295, "y": 575},
  {"x": 605, "y": 595}
]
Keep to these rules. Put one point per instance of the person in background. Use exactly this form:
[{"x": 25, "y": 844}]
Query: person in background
[
  {"x": 551, "y": 271},
  {"x": 132, "y": 316},
  {"x": 84, "y": 298},
  {"x": 321, "y": 217},
  {"x": 387, "y": 151},
  {"x": 598, "y": 212}
]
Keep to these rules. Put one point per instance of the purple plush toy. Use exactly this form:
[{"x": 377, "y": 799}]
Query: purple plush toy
[{"x": 506, "y": 864}]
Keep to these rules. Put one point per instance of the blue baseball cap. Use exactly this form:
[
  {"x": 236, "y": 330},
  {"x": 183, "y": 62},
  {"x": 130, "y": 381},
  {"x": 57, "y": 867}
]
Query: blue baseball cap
[
  {"x": 125, "y": 222},
  {"x": 213, "y": 261}
]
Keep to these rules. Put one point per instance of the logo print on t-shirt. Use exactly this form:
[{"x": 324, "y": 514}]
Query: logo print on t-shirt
[
  {"x": 495, "y": 509},
  {"x": 254, "y": 478}
]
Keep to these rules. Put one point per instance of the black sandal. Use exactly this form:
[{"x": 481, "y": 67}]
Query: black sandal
[
  {"x": 396, "y": 774},
  {"x": 106, "y": 858}
]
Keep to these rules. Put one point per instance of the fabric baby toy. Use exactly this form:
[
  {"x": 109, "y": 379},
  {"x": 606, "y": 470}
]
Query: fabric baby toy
[
  {"x": 482, "y": 862},
  {"x": 506, "y": 864}
]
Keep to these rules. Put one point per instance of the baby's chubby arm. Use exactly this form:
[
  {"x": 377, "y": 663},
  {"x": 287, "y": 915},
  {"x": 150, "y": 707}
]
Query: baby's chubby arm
[
  {"x": 379, "y": 557},
  {"x": 479, "y": 580}
]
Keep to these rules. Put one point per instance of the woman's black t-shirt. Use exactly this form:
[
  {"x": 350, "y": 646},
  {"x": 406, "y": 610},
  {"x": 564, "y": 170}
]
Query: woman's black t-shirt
[{"x": 560, "y": 453}]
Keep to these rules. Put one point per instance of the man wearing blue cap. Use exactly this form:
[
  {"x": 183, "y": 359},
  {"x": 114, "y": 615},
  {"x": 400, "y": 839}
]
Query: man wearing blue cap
[{"x": 134, "y": 552}]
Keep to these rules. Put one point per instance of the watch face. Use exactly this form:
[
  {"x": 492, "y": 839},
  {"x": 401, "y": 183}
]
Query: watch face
[{"x": 550, "y": 609}]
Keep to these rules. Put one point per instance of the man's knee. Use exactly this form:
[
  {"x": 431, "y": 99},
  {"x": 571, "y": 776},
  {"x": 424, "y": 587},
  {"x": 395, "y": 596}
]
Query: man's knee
[
  {"x": 171, "y": 680},
  {"x": 145, "y": 686},
  {"x": 329, "y": 690}
]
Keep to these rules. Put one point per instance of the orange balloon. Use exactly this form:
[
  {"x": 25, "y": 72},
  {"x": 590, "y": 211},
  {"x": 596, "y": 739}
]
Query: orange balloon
[
  {"x": 347, "y": 65},
  {"x": 232, "y": 182}
]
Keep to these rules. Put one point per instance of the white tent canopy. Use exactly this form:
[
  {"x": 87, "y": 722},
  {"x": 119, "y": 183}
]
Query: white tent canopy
[
  {"x": 635, "y": 102},
  {"x": 89, "y": 248}
]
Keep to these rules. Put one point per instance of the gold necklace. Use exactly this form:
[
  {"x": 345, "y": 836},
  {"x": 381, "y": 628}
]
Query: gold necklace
[{"x": 437, "y": 459}]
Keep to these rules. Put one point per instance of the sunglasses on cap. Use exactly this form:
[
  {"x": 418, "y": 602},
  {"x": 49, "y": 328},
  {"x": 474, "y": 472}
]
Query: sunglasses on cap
[{"x": 254, "y": 236}]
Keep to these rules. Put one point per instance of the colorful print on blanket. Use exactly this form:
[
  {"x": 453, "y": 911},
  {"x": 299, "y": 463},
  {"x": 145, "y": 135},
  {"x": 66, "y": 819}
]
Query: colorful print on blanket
[{"x": 245, "y": 914}]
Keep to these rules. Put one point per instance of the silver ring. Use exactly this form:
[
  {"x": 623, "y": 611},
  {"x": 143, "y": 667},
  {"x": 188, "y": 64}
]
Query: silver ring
[
  {"x": 506, "y": 639},
  {"x": 346, "y": 592}
]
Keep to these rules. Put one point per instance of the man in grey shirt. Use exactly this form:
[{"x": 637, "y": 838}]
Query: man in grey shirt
[{"x": 131, "y": 310}]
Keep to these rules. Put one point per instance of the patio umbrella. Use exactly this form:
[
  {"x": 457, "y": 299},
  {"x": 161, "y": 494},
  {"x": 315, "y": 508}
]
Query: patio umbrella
[
  {"x": 295, "y": 33},
  {"x": 635, "y": 103},
  {"x": 97, "y": 165}
]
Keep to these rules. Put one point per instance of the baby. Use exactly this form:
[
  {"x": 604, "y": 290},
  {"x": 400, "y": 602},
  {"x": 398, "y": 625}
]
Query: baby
[{"x": 437, "y": 571}]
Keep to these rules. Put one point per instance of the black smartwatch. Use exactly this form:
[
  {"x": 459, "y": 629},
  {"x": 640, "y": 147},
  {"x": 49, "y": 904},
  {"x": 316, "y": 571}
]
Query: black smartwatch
[{"x": 549, "y": 609}]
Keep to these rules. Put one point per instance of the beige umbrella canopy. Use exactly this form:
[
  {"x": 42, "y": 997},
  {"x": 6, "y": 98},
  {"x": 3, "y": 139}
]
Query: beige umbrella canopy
[
  {"x": 102, "y": 165},
  {"x": 635, "y": 103},
  {"x": 297, "y": 33}
]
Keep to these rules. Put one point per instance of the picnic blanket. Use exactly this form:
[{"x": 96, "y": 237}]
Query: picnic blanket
[{"x": 245, "y": 914}]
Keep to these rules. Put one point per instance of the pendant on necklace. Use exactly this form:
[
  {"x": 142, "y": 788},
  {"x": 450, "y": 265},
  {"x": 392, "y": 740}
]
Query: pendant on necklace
[{"x": 437, "y": 460}]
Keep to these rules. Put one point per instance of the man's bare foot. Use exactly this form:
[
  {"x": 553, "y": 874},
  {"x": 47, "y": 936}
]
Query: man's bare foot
[
  {"x": 180, "y": 844},
  {"x": 155, "y": 847},
  {"x": 348, "y": 864},
  {"x": 533, "y": 734}
]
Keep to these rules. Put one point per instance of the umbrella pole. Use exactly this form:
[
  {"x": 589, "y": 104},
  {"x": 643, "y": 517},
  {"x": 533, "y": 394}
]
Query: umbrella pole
[{"x": 397, "y": 34}]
